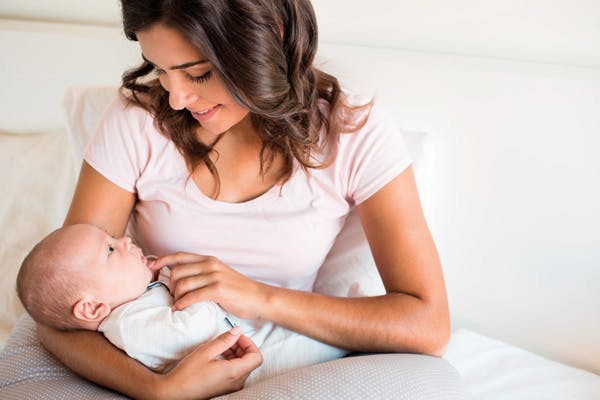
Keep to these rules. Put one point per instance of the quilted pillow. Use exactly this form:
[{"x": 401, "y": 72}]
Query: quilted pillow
[{"x": 28, "y": 371}]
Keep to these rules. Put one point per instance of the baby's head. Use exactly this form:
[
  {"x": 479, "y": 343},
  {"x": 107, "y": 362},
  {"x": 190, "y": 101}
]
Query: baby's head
[{"x": 76, "y": 275}]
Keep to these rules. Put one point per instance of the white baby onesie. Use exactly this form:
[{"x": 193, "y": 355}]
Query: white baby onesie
[{"x": 150, "y": 332}]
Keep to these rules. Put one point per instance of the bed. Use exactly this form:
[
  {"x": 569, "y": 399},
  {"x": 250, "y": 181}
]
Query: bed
[{"x": 519, "y": 331}]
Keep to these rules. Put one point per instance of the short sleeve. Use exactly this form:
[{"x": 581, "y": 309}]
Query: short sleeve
[
  {"x": 372, "y": 156},
  {"x": 120, "y": 149}
]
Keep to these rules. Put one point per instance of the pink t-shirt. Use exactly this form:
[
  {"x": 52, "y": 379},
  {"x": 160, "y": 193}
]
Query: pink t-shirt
[{"x": 281, "y": 237}]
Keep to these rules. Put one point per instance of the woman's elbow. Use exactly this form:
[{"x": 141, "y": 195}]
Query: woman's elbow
[
  {"x": 437, "y": 333},
  {"x": 431, "y": 332},
  {"x": 437, "y": 346}
]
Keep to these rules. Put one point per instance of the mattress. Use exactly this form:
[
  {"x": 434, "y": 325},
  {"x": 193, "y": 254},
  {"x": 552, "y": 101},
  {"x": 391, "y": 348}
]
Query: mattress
[{"x": 494, "y": 370}]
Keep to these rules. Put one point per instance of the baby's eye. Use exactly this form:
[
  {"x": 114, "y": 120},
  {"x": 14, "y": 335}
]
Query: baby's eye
[{"x": 110, "y": 249}]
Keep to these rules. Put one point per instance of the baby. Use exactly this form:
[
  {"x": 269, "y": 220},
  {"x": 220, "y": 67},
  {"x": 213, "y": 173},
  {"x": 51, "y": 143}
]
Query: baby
[{"x": 79, "y": 277}]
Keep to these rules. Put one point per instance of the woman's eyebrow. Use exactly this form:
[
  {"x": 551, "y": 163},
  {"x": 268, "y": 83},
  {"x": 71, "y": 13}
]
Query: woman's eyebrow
[{"x": 182, "y": 66}]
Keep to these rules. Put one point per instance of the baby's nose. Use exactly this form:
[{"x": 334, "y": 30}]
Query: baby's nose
[{"x": 127, "y": 242}]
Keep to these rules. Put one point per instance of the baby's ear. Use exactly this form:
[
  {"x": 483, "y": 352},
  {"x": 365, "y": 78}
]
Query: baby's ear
[{"x": 90, "y": 310}]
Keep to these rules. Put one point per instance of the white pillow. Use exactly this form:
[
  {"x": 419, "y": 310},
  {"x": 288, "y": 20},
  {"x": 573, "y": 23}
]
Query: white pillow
[
  {"x": 37, "y": 185},
  {"x": 349, "y": 269},
  {"x": 344, "y": 273},
  {"x": 84, "y": 106}
]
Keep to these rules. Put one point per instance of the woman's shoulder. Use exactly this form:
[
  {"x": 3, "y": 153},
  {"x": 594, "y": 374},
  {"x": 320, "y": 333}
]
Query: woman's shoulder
[
  {"x": 362, "y": 113},
  {"x": 132, "y": 121},
  {"x": 371, "y": 155},
  {"x": 126, "y": 133},
  {"x": 124, "y": 108},
  {"x": 364, "y": 117}
]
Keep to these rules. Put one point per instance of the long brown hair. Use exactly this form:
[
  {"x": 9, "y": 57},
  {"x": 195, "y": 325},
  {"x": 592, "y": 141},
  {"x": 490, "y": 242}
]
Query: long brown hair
[{"x": 263, "y": 51}]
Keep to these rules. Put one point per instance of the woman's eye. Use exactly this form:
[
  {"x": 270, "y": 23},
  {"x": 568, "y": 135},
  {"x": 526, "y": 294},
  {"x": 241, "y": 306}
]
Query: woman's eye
[
  {"x": 110, "y": 249},
  {"x": 158, "y": 71},
  {"x": 201, "y": 78}
]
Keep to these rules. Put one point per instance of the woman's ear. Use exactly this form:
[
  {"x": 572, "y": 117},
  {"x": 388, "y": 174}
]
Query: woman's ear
[{"x": 89, "y": 310}]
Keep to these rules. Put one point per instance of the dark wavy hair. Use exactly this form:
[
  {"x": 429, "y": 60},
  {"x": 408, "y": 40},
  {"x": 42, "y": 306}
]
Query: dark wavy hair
[{"x": 263, "y": 51}]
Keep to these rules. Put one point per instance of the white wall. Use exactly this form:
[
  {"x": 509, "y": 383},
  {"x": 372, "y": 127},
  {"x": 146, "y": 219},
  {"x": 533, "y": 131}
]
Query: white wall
[
  {"x": 552, "y": 31},
  {"x": 515, "y": 202},
  {"x": 98, "y": 12}
]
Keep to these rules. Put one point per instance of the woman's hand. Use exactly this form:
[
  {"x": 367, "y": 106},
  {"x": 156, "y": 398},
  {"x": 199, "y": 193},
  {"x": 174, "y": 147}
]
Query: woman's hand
[
  {"x": 196, "y": 278},
  {"x": 203, "y": 373}
]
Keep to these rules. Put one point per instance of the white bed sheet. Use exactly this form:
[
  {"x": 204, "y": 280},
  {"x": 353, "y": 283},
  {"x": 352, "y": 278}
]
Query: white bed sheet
[{"x": 494, "y": 370}]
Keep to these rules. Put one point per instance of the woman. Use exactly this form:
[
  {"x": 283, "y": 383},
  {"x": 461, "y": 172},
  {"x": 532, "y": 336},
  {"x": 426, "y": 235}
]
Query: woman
[{"x": 242, "y": 153}]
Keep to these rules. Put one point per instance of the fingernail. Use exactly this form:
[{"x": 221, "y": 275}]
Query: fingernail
[{"x": 236, "y": 330}]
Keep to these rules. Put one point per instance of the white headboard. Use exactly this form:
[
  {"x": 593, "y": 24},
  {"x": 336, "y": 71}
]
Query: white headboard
[
  {"x": 39, "y": 61},
  {"x": 515, "y": 197}
]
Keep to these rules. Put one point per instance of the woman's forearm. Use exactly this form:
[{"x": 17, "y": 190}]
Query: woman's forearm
[
  {"x": 412, "y": 317},
  {"x": 91, "y": 356},
  {"x": 393, "y": 322}
]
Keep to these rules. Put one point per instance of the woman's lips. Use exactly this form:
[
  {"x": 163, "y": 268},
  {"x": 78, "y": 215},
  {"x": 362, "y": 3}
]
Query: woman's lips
[{"x": 205, "y": 115}]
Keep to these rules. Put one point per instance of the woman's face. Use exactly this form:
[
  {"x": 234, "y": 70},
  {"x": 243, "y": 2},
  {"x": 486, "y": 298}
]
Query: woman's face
[{"x": 189, "y": 78}]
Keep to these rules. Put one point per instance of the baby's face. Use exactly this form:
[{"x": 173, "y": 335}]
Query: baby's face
[{"x": 116, "y": 268}]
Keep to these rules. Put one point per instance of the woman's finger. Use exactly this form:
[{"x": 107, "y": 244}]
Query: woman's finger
[
  {"x": 206, "y": 265},
  {"x": 207, "y": 293},
  {"x": 245, "y": 350},
  {"x": 220, "y": 344},
  {"x": 229, "y": 354},
  {"x": 176, "y": 259},
  {"x": 180, "y": 287},
  {"x": 247, "y": 345}
]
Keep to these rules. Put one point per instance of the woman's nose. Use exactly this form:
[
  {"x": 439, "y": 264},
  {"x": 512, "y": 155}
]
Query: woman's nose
[{"x": 181, "y": 95}]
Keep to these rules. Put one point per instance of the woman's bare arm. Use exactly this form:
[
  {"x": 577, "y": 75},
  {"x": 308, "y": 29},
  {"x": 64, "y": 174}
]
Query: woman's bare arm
[
  {"x": 102, "y": 203},
  {"x": 412, "y": 316},
  {"x": 106, "y": 365},
  {"x": 91, "y": 356}
]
